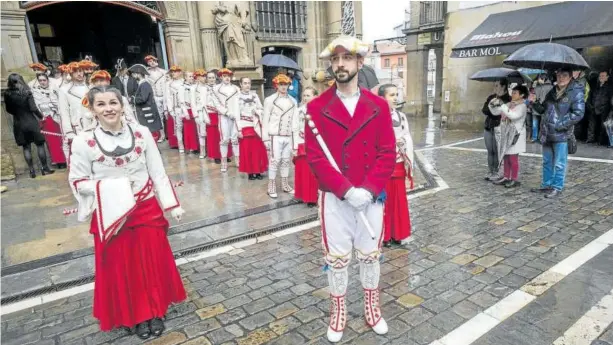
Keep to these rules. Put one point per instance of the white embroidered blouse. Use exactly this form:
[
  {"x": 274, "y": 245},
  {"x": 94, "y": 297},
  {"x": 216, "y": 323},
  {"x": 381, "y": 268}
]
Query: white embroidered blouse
[{"x": 131, "y": 155}]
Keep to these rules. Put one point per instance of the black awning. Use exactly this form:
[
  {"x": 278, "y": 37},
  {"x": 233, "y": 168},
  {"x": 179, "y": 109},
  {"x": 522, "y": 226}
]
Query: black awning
[{"x": 575, "y": 24}]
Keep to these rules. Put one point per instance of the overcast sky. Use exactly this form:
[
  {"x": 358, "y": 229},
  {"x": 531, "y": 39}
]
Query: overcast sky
[{"x": 380, "y": 16}]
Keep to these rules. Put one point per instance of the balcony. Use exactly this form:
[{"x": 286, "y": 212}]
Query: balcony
[{"x": 281, "y": 20}]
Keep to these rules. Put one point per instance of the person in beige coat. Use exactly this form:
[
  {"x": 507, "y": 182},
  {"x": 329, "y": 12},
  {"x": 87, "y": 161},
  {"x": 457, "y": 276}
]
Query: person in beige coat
[{"x": 513, "y": 134}]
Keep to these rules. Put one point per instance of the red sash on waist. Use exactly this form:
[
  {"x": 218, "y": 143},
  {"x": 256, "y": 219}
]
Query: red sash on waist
[
  {"x": 249, "y": 132},
  {"x": 301, "y": 151}
]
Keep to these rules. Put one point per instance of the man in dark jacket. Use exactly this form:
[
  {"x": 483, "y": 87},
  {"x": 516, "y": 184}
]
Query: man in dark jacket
[
  {"x": 565, "y": 107},
  {"x": 600, "y": 107},
  {"x": 491, "y": 131},
  {"x": 144, "y": 101},
  {"x": 123, "y": 81}
]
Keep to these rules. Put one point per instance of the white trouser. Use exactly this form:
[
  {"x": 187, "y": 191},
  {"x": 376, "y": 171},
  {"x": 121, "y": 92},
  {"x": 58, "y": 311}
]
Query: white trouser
[
  {"x": 178, "y": 119},
  {"x": 280, "y": 156},
  {"x": 343, "y": 230},
  {"x": 229, "y": 134},
  {"x": 201, "y": 127},
  {"x": 159, "y": 103}
]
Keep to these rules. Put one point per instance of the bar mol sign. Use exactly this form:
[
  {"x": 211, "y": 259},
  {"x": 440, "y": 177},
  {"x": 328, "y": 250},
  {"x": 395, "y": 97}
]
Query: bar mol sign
[{"x": 477, "y": 52}]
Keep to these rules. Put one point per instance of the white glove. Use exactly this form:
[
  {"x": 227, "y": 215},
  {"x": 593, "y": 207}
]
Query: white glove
[
  {"x": 267, "y": 144},
  {"x": 358, "y": 198},
  {"x": 177, "y": 213},
  {"x": 87, "y": 187}
]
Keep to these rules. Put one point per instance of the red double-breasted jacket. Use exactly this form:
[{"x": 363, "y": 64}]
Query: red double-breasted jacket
[{"x": 363, "y": 146}]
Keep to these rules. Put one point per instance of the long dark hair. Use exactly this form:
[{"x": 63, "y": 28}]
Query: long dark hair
[{"x": 16, "y": 84}]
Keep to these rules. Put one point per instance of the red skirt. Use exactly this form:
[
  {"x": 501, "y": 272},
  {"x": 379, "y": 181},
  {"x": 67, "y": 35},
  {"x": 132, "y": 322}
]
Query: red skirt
[
  {"x": 54, "y": 143},
  {"x": 213, "y": 137},
  {"x": 136, "y": 276},
  {"x": 396, "y": 219},
  {"x": 170, "y": 132},
  {"x": 190, "y": 133},
  {"x": 305, "y": 183},
  {"x": 253, "y": 155}
]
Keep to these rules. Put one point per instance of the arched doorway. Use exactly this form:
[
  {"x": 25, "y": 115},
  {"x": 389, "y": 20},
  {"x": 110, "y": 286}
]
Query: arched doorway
[
  {"x": 106, "y": 30},
  {"x": 270, "y": 72}
]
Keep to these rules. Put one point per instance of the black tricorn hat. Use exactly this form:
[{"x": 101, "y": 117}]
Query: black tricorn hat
[{"x": 138, "y": 68}]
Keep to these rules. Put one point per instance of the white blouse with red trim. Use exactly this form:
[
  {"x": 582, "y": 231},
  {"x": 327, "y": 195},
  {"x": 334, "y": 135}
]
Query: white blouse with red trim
[{"x": 132, "y": 153}]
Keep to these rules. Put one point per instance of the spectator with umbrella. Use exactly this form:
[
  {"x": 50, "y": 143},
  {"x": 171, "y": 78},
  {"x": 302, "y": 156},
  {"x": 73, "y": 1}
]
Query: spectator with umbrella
[{"x": 564, "y": 107}]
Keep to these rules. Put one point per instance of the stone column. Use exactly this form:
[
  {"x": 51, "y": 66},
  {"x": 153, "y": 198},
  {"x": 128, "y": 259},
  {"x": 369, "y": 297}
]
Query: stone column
[
  {"x": 438, "y": 92},
  {"x": 334, "y": 15},
  {"x": 416, "y": 75},
  {"x": 178, "y": 35},
  {"x": 357, "y": 8},
  {"x": 208, "y": 34},
  {"x": 16, "y": 52}
]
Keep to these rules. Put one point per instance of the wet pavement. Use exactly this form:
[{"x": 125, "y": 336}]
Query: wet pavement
[
  {"x": 34, "y": 226},
  {"x": 473, "y": 245}
]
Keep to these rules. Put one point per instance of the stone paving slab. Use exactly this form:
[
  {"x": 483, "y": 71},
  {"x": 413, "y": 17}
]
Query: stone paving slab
[
  {"x": 552, "y": 313},
  {"x": 467, "y": 253}
]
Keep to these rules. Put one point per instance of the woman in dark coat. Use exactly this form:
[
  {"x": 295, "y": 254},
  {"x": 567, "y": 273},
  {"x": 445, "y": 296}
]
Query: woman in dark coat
[
  {"x": 144, "y": 101},
  {"x": 20, "y": 103}
]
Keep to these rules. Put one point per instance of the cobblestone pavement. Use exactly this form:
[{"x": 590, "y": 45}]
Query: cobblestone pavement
[{"x": 472, "y": 245}]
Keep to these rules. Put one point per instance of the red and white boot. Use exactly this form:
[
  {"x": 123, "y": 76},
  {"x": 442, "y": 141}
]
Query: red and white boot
[
  {"x": 369, "y": 276},
  {"x": 338, "y": 279}
]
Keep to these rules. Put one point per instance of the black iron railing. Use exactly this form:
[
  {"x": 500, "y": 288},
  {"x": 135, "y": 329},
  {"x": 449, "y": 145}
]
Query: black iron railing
[{"x": 281, "y": 20}]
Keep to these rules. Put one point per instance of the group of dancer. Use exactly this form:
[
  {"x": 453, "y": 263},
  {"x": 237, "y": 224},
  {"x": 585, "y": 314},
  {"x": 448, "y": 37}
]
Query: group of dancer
[{"x": 352, "y": 149}]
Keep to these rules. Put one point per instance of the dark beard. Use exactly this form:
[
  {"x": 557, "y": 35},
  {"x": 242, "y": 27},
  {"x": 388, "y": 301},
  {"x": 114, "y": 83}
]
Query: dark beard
[{"x": 345, "y": 80}]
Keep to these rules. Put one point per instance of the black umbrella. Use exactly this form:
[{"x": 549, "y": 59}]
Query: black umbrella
[
  {"x": 550, "y": 56},
  {"x": 278, "y": 60},
  {"x": 495, "y": 74}
]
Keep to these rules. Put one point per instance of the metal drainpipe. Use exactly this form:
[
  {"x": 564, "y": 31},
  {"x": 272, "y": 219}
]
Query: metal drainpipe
[
  {"x": 163, "y": 44},
  {"x": 31, "y": 40}
]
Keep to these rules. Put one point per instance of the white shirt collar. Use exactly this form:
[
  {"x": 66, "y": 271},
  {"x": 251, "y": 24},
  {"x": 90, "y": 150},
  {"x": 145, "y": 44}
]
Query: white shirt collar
[{"x": 341, "y": 96}]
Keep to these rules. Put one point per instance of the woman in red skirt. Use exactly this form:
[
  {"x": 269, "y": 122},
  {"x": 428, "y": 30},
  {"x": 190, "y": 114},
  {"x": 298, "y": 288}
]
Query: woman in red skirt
[
  {"x": 396, "y": 218},
  {"x": 116, "y": 172},
  {"x": 46, "y": 100},
  {"x": 253, "y": 156},
  {"x": 190, "y": 129},
  {"x": 212, "y": 128},
  {"x": 305, "y": 183}
]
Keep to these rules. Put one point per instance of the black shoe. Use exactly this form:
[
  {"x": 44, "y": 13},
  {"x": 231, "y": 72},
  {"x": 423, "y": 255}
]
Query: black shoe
[
  {"x": 251, "y": 177},
  {"x": 157, "y": 327},
  {"x": 218, "y": 161},
  {"x": 311, "y": 204},
  {"x": 554, "y": 193},
  {"x": 396, "y": 242},
  {"x": 47, "y": 171},
  {"x": 32, "y": 173},
  {"x": 512, "y": 184},
  {"x": 500, "y": 182},
  {"x": 387, "y": 244},
  {"x": 229, "y": 160},
  {"x": 259, "y": 176},
  {"x": 540, "y": 190},
  {"x": 61, "y": 166},
  {"x": 142, "y": 330}
]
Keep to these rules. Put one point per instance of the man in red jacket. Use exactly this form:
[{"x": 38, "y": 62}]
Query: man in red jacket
[{"x": 356, "y": 126}]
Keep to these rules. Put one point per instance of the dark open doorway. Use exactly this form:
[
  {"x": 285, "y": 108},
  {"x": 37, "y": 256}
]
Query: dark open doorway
[
  {"x": 68, "y": 31},
  {"x": 270, "y": 72}
]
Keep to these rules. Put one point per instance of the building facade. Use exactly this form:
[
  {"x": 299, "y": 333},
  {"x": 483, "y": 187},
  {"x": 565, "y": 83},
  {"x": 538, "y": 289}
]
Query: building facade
[
  {"x": 481, "y": 34},
  {"x": 425, "y": 32},
  {"x": 192, "y": 34}
]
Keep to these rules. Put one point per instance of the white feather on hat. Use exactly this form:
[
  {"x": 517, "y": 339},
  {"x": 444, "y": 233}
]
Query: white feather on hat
[{"x": 352, "y": 44}]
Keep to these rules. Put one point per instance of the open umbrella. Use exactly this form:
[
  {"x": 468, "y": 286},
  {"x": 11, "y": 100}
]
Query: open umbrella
[
  {"x": 494, "y": 74},
  {"x": 549, "y": 56},
  {"x": 278, "y": 60}
]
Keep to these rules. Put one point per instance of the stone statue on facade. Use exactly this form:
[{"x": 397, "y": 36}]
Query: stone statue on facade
[{"x": 232, "y": 28}]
